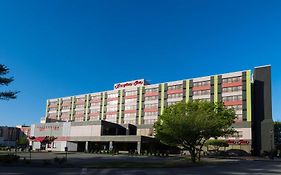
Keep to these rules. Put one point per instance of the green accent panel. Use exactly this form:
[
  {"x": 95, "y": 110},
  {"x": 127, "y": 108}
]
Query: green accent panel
[
  {"x": 87, "y": 107},
  {"x": 47, "y": 104},
  {"x": 140, "y": 104},
  {"x": 187, "y": 91},
  {"x": 162, "y": 98},
  {"x": 59, "y": 109},
  {"x": 72, "y": 108},
  {"x": 216, "y": 90},
  {"x": 248, "y": 95},
  {"x": 120, "y": 106},
  {"x": 102, "y": 107}
]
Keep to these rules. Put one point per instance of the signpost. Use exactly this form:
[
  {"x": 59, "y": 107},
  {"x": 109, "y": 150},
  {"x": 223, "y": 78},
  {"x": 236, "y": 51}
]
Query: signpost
[
  {"x": 65, "y": 149},
  {"x": 30, "y": 148}
]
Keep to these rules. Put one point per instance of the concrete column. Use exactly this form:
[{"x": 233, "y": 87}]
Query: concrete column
[
  {"x": 139, "y": 147},
  {"x": 86, "y": 146}
]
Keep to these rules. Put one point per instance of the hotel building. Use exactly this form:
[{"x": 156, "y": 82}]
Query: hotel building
[{"x": 139, "y": 104}]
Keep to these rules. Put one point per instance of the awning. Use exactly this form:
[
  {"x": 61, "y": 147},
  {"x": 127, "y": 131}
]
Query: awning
[{"x": 39, "y": 139}]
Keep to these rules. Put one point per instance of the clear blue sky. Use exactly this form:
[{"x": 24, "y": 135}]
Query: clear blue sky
[{"x": 63, "y": 48}]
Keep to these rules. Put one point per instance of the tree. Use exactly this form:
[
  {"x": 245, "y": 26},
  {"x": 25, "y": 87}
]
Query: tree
[
  {"x": 6, "y": 95},
  {"x": 217, "y": 143},
  {"x": 190, "y": 125}
]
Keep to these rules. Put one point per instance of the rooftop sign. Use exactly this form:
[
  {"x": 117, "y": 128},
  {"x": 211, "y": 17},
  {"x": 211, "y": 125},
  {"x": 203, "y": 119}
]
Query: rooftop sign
[{"x": 134, "y": 83}]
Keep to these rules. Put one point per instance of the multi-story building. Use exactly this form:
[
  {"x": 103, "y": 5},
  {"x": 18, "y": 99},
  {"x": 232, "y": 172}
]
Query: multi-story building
[{"x": 139, "y": 103}]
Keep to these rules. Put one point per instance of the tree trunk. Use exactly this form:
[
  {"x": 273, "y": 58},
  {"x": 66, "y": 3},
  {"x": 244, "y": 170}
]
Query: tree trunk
[{"x": 193, "y": 155}]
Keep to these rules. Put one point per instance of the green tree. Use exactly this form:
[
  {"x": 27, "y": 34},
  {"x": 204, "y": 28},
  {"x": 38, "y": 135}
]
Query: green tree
[
  {"x": 190, "y": 125},
  {"x": 5, "y": 81},
  {"x": 23, "y": 140},
  {"x": 217, "y": 143}
]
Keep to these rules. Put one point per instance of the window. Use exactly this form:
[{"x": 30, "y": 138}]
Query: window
[
  {"x": 202, "y": 83},
  {"x": 128, "y": 93},
  {"x": 65, "y": 114},
  {"x": 112, "y": 95},
  {"x": 95, "y": 104},
  {"x": 130, "y": 107},
  {"x": 232, "y": 79},
  {"x": 151, "y": 113},
  {"x": 94, "y": 110},
  {"x": 235, "y": 107},
  {"x": 131, "y": 100},
  {"x": 66, "y": 102},
  {"x": 151, "y": 90},
  {"x": 232, "y": 89},
  {"x": 172, "y": 103},
  {"x": 130, "y": 121},
  {"x": 151, "y": 98},
  {"x": 232, "y": 98},
  {"x": 80, "y": 99},
  {"x": 52, "y": 109},
  {"x": 95, "y": 96},
  {"x": 175, "y": 87},
  {"x": 175, "y": 95},
  {"x": 79, "y": 112},
  {"x": 65, "y": 107},
  {"x": 149, "y": 121},
  {"x": 203, "y": 92},
  {"x": 110, "y": 115},
  {"x": 53, "y": 103},
  {"x": 79, "y": 106},
  {"x": 115, "y": 102},
  {"x": 130, "y": 115},
  {"x": 155, "y": 105},
  {"x": 111, "y": 109}
]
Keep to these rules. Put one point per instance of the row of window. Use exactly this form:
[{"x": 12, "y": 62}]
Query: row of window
[
  {"x": 201, "y": 83},
  {"x": 131, "y": 107},
  {"x": 232, "y": 98},
  {"x": 151, "y": 113},
  {"x": 128, "y": 93},
  {"x": 130, "y": 115},
  {"x": 155, "y": 105},
  {"x": 114, "y": 95},
  {"x": 175, "y": 87},
  {"x": 172, "y": 103},
  {"x": 180, "y": 95},
  {"x": 131, "y": 100},
  {"x": 111, "y": 109},
  {"x": 130, "y": 121},
  {"x": 111, "y": 115},
  {"x": 232, "y": 79},
  {"x": 114, "y": 102},
  {"x": 149, "y": 121},
  {"x": 232, "y": 89},
  {"x": 151, "y": 98},
  {"x": 151, "y": 90},
  {"x": 235, "y": 107},
  {"x": 203, "y": 92}
]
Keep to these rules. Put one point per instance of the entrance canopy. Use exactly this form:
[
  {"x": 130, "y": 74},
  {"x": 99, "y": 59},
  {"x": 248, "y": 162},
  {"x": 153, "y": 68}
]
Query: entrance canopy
[{"x": 39, "y": 139}]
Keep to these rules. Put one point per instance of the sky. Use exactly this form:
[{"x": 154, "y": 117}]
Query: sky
[{"x": 60, "y": 48}]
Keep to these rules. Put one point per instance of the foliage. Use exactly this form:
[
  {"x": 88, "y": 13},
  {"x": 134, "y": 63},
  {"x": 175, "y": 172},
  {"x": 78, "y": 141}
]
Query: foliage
[
  {"x": 190, "y": 125},
  {"x": 23, "y": 140},
  {"x": 217, "y": 143},
  {"x": 6, "y": 95}
]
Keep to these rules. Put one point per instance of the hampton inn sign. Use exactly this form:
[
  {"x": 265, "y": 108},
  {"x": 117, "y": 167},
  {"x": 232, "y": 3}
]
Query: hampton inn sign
[{"x": 134, "y": 83}]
